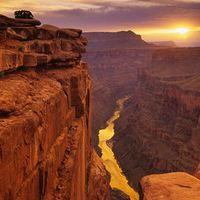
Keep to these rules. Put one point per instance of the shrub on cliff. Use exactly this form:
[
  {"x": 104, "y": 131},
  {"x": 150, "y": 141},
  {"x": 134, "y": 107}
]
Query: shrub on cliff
[{"x": 23, "y": 14}]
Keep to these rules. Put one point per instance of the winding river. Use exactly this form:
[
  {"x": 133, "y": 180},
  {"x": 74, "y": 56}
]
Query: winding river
[{"x": 118, "y": 180}]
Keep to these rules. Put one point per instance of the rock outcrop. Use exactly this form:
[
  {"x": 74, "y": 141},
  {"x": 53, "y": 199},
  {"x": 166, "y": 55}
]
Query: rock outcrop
[
  {"x": 45, "y": 117},
  {"x": 170, "y": 186},
  {"x": 165, "y": 43},
  {"x": 46, "y": 45},
  {"x": 159, "y": 128},
  {"x": 11, "y": 22}
]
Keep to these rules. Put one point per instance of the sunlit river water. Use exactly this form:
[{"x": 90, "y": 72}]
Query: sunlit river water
[{"x": 118, "y": 180}]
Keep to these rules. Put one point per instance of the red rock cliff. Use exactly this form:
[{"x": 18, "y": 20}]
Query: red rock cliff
[
  {"x": 113, "y": 59},
  {"x": 45, "y": 117},
  {"x": 159, "y": 129}
]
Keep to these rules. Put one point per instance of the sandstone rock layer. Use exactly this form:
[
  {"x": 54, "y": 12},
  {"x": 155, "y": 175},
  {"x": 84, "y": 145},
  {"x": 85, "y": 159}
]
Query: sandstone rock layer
[
  {"x": 170, "y": 186},
  {"x": 113, "y": 59},
  {"x": 45, "y": 119},
  {"x": 159, "y": 128}
]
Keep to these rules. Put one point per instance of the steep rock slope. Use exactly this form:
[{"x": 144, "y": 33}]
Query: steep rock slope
[
  {"x": 113, "y": 59},
  {"x": 159, "y": 128},
  {"x": 45, "y": 116}
]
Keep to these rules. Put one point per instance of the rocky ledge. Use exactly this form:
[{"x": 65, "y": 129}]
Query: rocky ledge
[
  {"x": 45, "y": 116},
  {"x": 173, "y": 186},
  {"x": 34, "y": 46}
]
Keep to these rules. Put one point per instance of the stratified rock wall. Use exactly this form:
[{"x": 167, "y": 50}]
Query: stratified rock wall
[
  {"x": 115, "y": 40},
  {"x": 113, "y": 59},
  {"x": 159, "y": 128},
  {"x": 45, "y": 118}
]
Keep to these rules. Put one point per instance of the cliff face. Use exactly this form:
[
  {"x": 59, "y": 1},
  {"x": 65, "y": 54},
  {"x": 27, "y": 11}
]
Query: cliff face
[
  {"x": 45, "y": 117},
  {"x": 116, "y": 40},
  {"x": 113, "y": 59},
  {"x": 159, "y": 129}
]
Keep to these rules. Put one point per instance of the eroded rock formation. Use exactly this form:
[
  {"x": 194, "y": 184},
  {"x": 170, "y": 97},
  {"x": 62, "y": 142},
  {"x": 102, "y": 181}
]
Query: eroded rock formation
[
  {"x": 46, "y": 45},
  {"x": 45, "y": 117},
  {"x": 116, "y": 40},
  {"x": 113, "y": 59},
  {"x": 172, "y": 186},
  {"x": 159, "y": 129}
]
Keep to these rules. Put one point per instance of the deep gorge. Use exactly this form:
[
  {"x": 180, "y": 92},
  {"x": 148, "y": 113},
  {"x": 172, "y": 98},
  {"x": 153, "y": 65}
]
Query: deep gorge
[
  {"x": 158, "y": 130},
  {"x": 163, "y": 120},
  {"x": 117, "y": 178}
]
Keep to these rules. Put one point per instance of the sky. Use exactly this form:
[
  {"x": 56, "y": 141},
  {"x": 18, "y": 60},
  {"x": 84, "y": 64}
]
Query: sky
[{"x": 155, "y": 20}]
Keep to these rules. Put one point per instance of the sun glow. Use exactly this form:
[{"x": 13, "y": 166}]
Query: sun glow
[{"x": 182, "y": 31}]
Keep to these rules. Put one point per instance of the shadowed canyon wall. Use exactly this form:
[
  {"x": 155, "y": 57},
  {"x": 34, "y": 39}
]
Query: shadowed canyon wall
[
  {"x": 113, "y": 59},
  {"x": 159, "y": 128},
  {"x": 45, "y": 115}
]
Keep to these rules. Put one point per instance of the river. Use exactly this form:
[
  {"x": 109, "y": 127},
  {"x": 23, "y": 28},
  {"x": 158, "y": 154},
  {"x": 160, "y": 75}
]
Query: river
[{"x": 118, "y": 180}]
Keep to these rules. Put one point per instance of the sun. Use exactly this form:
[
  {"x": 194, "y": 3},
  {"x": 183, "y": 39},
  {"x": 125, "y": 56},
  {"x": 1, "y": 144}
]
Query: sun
[{"x": 181, "y": 31}]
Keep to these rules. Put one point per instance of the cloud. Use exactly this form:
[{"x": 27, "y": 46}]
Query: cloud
[
  {"x": 110, "y": 15},
  {"x": 105, "y": 16}
]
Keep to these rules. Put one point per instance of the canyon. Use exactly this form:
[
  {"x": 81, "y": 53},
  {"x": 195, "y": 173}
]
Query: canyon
[
  {"x": 45, "y": 115},
  {"x": 158, "y": 131},
  {"x": 51, "y": 112},
  {"x": 113, "y": 59}
]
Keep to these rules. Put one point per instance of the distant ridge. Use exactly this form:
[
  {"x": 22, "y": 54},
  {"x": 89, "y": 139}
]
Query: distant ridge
[
  {"x": 109, "y": 40},
  {"x": 164, "y": 43}
]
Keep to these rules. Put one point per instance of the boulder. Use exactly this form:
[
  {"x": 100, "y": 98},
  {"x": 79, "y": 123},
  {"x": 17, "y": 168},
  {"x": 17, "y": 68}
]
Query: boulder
[
  {"x": 65, "y": 33},
  {"x": 28, "y": 32},
  {"x": 78, "y": 47},
  {"x": 170, "y": 186},
  {"x": 30, "y": 60},
  {"x": 79, "y": 31},
  {"x": 50, "y": 27},
  {"x": 26, "y": 22},
  {"x": 13, "y": 35},
  {"x": 84, "y": 40},
  {"x": 84, "y": 65},
  {"x": 62, "y": 32},
  {"x": 10, "y": 60},
  {"x": 42, "y": 59},
  {"x": 66, "y": 45},
  {"x": 63, "y": 56},
  {"x": 46, "y": 34}
]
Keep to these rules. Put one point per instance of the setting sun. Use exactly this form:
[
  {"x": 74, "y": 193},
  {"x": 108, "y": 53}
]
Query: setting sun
[{"x": 182, "y": 31}]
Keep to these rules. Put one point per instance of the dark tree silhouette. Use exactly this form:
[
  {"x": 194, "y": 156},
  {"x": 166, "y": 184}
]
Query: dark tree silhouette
[{"x": 23, "y": 14}]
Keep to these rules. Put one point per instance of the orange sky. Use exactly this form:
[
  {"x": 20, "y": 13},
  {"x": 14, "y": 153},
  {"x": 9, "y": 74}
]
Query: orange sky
[{"x": 155, "y": 20}]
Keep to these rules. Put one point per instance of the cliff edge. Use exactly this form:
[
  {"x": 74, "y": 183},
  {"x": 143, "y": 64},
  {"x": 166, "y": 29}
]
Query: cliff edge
[{"x": 45, "y": 115}]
